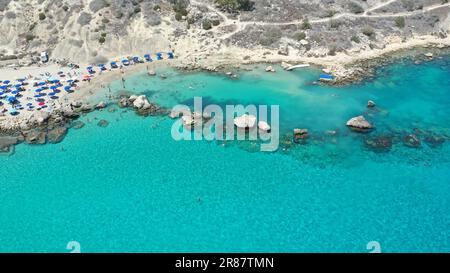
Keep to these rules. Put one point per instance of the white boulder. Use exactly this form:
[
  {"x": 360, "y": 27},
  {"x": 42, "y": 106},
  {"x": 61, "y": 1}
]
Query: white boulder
[{"x": 245, "y": 121}]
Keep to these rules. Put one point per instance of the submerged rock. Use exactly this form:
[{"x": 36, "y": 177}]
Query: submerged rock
[
  {"x": 151, "y": 73},
  {"x": 359, "y": 124},
  {"x": 7, "y": 144},
  {"x": 56, "y": 135},
  {"x": 103, "y": 123},
  {"x": 412, "y": 141},
  {"x": 380, "y": 144},
  {"x": 300, "y": 135},
  {"x": 77, "y": 124},
  {"x": 434, "y": 141},
  {"x": 371, "y": 104}
]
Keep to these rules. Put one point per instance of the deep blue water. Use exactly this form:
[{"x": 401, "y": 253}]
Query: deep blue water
[{"x": 131, "y": 188}]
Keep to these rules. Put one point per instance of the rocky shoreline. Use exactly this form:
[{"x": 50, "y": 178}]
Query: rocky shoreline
[
  {"x": 49, "y": 128},
  {"x": 345, "y": 74}
]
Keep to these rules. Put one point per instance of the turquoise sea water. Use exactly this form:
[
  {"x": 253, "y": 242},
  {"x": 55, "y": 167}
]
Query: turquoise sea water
[{"x": 131, "y": 188}]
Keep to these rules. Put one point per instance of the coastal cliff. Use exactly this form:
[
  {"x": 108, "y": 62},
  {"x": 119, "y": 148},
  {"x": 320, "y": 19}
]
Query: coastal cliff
[{"x": 210, "y": 33}]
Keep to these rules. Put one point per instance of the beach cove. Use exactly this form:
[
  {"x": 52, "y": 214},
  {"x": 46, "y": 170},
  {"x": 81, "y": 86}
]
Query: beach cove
[{"x": 128, "y": 187}]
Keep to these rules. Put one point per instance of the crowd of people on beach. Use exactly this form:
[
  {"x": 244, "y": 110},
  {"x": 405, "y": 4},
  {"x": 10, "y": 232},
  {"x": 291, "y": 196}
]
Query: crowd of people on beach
[{"x": 31, "y": 93}]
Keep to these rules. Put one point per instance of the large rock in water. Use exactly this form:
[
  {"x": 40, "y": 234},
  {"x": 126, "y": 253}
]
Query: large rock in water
[
  {"x": 245, "y": 121},
  {"x": 359, "y": 124},
  {"x": 56, "y": 135},
  {"x": 412, "y": 141},
  {"x": 300, "y": 135},
  {"x": 141, "y": 102},
  {"x": 264, "y": 126}
]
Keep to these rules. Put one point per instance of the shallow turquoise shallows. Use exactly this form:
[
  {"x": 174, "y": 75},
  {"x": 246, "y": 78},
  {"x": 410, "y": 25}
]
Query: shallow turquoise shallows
[{"x": 131, "y": 188}]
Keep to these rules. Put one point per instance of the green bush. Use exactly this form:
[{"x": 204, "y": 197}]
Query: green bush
[
  {"x": 178, "y": 16},
  {"x": 235, "y": 5},
  {"x": 42, "y": 16},
  {"x": 29, "y": 37},
  {"x": 355, "y": 8},
  {"x": 368, "y": 31},
  {"x": 400, "y": 22},
  {"x": 215, "y": 22},
  {"x": 206, "y": 24},
  {"x": 299, "y": 36},
  {"x": 306, "y": 25},
  {"x": 355, "y": 39},
  {"x": 102, "y": 40}
]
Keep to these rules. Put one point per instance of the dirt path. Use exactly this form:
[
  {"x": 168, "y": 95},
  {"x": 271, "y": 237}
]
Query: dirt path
[{"x": 241, "y": 25}]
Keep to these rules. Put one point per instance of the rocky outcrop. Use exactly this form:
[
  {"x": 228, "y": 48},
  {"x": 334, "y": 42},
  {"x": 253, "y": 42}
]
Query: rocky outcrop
[
  {"x": 56, "y": 135},
  {"x": 101, "y": 105},
  {"x": 264, "y": 126},
  {"x": 300, "y": 135},
  {"x": 411, "y": 141},
  {"x": 359, "y": 124},
  {"x": 270, "y": 69},
  {"x": 124, "y": 102},
  {"x": 141, "y": 102},
  {"x": 35, "y": 137},
  {"x": 7, "y": 144},
  {"x": 245, "y": 122}
]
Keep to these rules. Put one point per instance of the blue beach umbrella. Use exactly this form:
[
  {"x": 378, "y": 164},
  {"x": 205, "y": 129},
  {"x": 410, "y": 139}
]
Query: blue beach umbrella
[
  {"x": 7, "y": 82},
  {"x": 147, "y": 57},
  {"x": 159, "y": 56},
  {"x": 12, "y": 99},
  {"x": 125, "y": 62},
  {"x": 170, "y": 55},
  {"x": 3, "y": 87},
  {"x": 113, "y": 65},
  {"x": 53, "y": 87}
]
